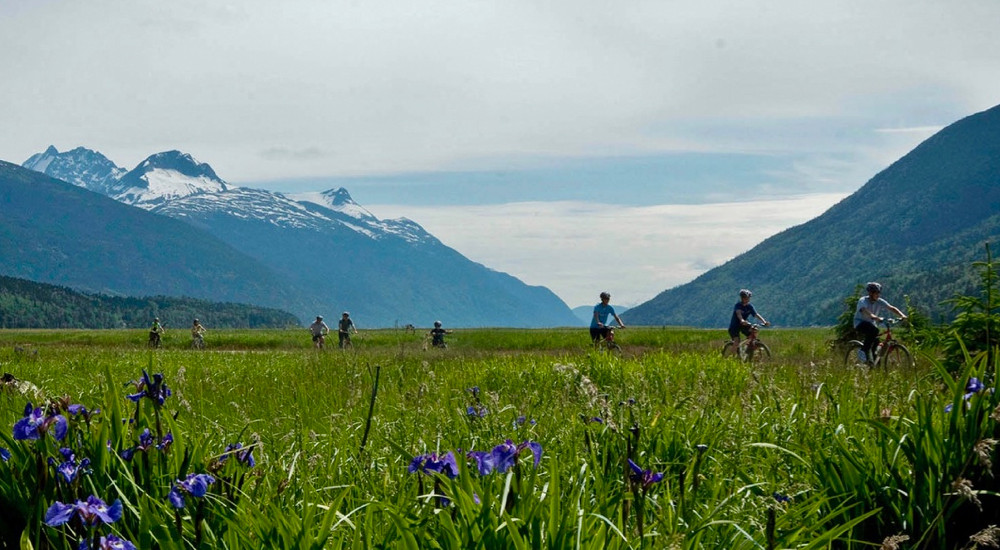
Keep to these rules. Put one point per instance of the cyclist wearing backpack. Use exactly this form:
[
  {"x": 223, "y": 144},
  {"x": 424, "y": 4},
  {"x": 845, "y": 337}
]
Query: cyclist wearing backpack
[
  {"x": 742, "y": 311},
  {"x": 872, "y": 309}
]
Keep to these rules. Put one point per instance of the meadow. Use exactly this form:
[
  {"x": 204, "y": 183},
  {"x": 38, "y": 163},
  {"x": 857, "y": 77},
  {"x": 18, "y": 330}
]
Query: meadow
[{"x": 507, "y": 439}]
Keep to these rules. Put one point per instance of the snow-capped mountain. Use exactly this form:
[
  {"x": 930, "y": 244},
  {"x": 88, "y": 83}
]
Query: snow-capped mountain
[
  {"x": 83, "y": 167},
  {"x": 163, "y": 177},
  {"x": 333, "y": 252}
]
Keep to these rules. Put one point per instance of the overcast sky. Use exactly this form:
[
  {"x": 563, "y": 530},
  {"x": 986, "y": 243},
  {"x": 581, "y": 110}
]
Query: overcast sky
[{"x": 582, "y": 145}]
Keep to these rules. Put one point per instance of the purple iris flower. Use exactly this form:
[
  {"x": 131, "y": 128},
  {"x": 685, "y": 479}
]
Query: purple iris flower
[
  {"x": 70, "y": 468},
  {"x": 164, "y": 444},
  {"x": 973, "y": 387},
  {"x": 153, "y": 388},
  {"x": 91, "y": 512},
  {"x": 244, "y": 455},
  {"x": 195, "y": 485},
  {"x": 504, "y": 456},
  {"x": 110, "y": 542},
  {"x": 4, "y": 454},
  {"x": 476, "y": 411},
  {"x": 80, "y": 410},
  {"x": 36, "y": 423},
  {"x": 643, "y": 477},
  {"x": 431, "y": 462},
  {"x": 145, "y": 441}
]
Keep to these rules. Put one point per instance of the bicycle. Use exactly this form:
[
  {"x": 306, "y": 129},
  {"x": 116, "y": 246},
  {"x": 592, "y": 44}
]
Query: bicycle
[
  {"x": 751, "y": 350},
  {"x": 607, "y": 342},
  {"x": 197, "y": 341},
  {"x": 154, "y": 339},
  {"x": 319, "y": 340},
  {"x": 889, "y": 352}
]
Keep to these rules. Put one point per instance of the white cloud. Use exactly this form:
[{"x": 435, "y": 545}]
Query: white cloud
[
  {"x": 578, "y": 249},
  {"x": 422, "y": 85}
]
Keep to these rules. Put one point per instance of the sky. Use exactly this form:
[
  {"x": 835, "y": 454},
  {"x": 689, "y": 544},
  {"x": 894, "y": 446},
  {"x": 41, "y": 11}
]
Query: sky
[{"x": 581, "y": 145}]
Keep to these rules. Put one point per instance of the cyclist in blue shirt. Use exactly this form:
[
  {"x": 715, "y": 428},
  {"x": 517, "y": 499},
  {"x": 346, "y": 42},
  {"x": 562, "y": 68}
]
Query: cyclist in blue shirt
[
  {"x": 739, "y": 323},
  {"x": 598, "y": 323}
]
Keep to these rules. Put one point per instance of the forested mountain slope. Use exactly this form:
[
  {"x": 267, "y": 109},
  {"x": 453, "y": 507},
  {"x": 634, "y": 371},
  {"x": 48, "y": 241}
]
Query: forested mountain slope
[
  {"x": 916, "y": 227},
  {"x": 27, "y": 304}
]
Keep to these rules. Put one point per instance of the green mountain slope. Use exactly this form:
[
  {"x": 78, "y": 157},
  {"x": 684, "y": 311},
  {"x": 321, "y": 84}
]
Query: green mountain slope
[
  {"x": 27, "y": 304},
  {"x": 916, "y": 227},
  {"x": 54, "y": 232}
]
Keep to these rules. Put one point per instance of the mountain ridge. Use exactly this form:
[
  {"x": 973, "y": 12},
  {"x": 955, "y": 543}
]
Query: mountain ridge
[
  {"x": 329, "y": 249},
  {"x": 916, "y": 226}
]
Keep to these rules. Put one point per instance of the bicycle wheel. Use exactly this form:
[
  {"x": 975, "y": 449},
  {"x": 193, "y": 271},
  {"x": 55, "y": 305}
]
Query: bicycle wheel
[
  {"x": 614, "y": 348},
  {"x": 728, "y": 350},
  {"x": 898, "y": 357},
  {"x": 853, "y": 357},
  {"x": 759, "y": 353}
]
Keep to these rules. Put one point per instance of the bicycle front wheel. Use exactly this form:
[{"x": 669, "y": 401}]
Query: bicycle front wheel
[
  {"x": 758, "y": 353},
  {"x": 853, "y": 358},
  {"x": 898, "y": 357},
  {"x": 728, "y": 350}
]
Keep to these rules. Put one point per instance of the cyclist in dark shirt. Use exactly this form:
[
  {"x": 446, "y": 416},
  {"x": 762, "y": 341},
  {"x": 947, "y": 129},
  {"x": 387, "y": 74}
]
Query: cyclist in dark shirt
[{"x": 739, "y": 323}]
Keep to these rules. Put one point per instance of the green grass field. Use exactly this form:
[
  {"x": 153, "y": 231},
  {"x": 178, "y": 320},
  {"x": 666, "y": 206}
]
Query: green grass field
[{"x": 798, "y": 452}]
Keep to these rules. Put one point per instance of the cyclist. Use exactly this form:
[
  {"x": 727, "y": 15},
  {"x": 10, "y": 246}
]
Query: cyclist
[
  {"x": 739, "y": 323},
  {"x": 319, "y": 330},
  {"x": 598, "y": 323},
  {"x": 871, "y": 309},
  {"x": 344, "y": 326},
  {"x": 197, "y": 334},
  {"x": 437, "y": 335},
  {"x": 154, "y": 332}
]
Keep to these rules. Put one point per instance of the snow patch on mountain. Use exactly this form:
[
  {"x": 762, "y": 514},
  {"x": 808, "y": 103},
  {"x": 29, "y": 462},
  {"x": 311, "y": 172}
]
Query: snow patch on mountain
[
  {"x": 334, "y": 200},
  {"x": 161, "y": 185}
]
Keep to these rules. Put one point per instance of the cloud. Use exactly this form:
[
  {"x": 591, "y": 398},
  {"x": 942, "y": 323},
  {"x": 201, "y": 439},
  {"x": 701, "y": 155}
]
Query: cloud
[
  {"x": 577, "y": 249},
  {"x": 386, "y": 87}
]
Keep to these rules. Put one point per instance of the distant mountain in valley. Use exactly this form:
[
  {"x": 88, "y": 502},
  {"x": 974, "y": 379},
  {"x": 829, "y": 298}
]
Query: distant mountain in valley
[
  {"x": 916, "y": 227},
  {"x": 325, "y": 251},
  {"x": 27, "y": 304}
]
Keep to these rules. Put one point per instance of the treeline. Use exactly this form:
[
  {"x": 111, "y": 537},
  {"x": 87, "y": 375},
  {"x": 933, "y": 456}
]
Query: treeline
[{"x": 27, "y": 304}]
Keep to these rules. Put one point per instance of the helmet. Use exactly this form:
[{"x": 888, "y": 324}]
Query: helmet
[
  {"x": 195, "y": 320},
  {"x": 347, "y": 314},
  {"x": 744, "y": 293},
  {"x": 157, "y": 319},
  {"x": 319, "y": 317},
  {"x": 873, "y": 287},
  {"x": 437, "y": 324},
  {"x": 605, "y": 295}
]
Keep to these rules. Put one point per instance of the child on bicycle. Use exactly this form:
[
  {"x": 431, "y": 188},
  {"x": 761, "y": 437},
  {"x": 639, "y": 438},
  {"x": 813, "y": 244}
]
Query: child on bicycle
[
  {"x": 598, "y": 323},
  {"x": 739, "y": 323},
  {"x": 871, "y": 309},
  {"x": 198, "y": 334},
  {"x": 437, "y": 335},
  {"x": 344, "y": 327}
]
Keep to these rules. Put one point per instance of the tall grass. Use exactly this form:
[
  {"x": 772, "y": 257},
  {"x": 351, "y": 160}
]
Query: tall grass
[{"x": 796, "y": 453}]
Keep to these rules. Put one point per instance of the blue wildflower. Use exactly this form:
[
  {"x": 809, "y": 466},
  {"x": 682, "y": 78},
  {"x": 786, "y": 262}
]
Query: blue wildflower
[
  {"x": 784, "y": 499},
  {"x": 70, "y": 468},
  {"x": 195, "y": 485},
  {"x": 36, "y": 423},
  {"x": 476, "y": 411},
  {"x": 152, "y": 388},
  {"x": 973, "y": 387},
  {"x": 110, "y": 542},
  {"x": 91, "y": 512},
  {"x": 502, "y": 457},
  {"x": 4, "y": 454},
  {"x": 431, "y": 462},
  {"x": 645, "y": 478},
  {"x": 244, "y": 455}
]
